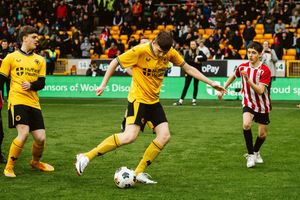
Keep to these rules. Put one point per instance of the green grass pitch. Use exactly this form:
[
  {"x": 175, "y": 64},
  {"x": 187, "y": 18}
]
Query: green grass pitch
[{"x": 204, "y": 159}]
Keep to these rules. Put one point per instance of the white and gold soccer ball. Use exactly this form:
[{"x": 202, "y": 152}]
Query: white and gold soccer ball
[{"x": 124, "y": 177}]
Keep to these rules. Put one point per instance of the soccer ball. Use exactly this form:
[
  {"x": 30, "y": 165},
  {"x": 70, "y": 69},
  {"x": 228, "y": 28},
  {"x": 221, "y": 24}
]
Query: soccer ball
[{"x": 124, "y": 177}]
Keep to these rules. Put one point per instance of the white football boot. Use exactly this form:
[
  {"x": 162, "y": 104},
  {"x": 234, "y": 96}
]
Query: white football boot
[
  {"x": 145, "y": 178},
  {"x": 81, "y": 162},
  {"x": 250, "y": 160},
  {"x": 258, "y": 158}
]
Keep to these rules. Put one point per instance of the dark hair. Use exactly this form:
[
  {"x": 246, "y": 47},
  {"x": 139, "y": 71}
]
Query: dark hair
[
  {"x": 26, "y": 30},
  {"x": 255, "y": 45},
  {"x": 164, "y": 40}
]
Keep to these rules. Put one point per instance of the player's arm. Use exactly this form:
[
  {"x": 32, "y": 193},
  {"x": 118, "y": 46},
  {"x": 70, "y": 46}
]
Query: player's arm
[
  {"x": 110, "y": 71},
  {"x": 227, "y": 83},
  {"x": 192, "y": 71},
  {"x": 259, "y": 89}
]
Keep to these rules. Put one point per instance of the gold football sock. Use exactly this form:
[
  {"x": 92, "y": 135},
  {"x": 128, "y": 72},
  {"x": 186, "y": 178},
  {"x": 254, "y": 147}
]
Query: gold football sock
[
  {"x": 37, "y": 151},
  {"x": 14, "y": 153},
  {"x": 109, "y": 144},
  {"x": 150, "y": 154}
]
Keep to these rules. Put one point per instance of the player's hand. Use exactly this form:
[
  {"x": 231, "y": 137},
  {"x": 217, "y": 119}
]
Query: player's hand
[
  {"x": 219, "y": 88},
  {"x": 26, "y": 85},
  {"x": 245, "y": 75},
  {"x": 100, "y": 90},
  {"x": 220, "y": 95}
]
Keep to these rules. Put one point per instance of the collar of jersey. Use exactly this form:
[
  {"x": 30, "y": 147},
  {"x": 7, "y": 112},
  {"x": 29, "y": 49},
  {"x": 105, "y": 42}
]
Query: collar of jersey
[
  {"x": 26, "y": 54},
  {"x": 152, "y": 51}
]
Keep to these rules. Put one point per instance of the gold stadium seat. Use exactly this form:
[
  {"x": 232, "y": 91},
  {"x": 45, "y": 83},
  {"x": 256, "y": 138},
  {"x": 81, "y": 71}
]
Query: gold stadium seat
[
  {"x": 259, "y": 26},
  {"x": 286, "y": 57},
  {"x": 201, "y": 31},
  {"x": 115, "y": 36},
  {"x": 139, "y": 32},
  {"x": 160, "y": 27},
  {"x": 268, "y": 36},
  {"x": 151, "y": 36},
  {"x": 156, "y": 31},
  {"x": 124, "y": 37},
  {"x": 259, "y": 36},
  {"x": 103, "y": 56},
  {"x": 115, "y": 28},
  {"x": 209, "y": 31},
  {"x": 169, "y": 27},
  {"x": 291, "y": 52},
  {"x": 147, "y": 32}
]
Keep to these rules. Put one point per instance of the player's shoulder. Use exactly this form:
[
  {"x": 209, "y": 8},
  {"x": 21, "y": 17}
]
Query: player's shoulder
[
  {"x": 245, "y": 64},
  {"x": 265, "y": 68}
]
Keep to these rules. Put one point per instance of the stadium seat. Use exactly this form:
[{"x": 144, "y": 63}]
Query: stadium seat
[
  {"x": 209, "y": 31},
  {"x": 152, "y": 36},
  {"x": 291, "y": 52},
  {"x": 259, "y": 36},
  {"x": 115, "y": 36},
  {"x": 160, "y": 27},
  {"x": 205, "y": 36},
  {"x": 147, "y": 32},
  {"x": 115, "y": 28},
  {"x": 286, "y": 57},
  {"x": 124, "y": 42},
  {"x": 136, "y": 36},
  {"x": 70, "y": 33},
  {"x": 268, "y": 36},
  {"x": 156, "y": 31},
  {"x": 133, "y": 27},
  {"x": 124, "y": 37},
  {"x": 259, "y": 31},
  {"x": 298, "y": 31},
  {"x": 103, "y": 56},
  {"x": 201, "y": 31},
  {"x": 170, "y": 27},
  {"x": 57, "y": 51},
  {"x": 243, "y": 53},
  {"x": 259, "y": 26},
  {"x": 139, "y": 32},
  {"x": 242, "y": 26}
]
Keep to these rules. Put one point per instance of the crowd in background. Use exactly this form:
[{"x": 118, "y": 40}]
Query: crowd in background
[{"x": 70, "y": 26}]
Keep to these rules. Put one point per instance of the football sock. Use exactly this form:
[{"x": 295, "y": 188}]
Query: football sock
[
  {"x": 109, "y": 144},
  {"x": 248, "y": 140},
  {"x": 150, "y": 154},
  {"x": 37, "y": 151},
  {"x": 14, "y": 153},
  {"x": 259, "y": 141}
]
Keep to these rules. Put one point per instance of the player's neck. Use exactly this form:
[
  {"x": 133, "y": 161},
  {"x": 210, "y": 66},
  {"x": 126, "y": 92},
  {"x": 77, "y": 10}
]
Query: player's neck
[
  {"x": 26, "y": 50},
  {"x": 256, "y": 64}
]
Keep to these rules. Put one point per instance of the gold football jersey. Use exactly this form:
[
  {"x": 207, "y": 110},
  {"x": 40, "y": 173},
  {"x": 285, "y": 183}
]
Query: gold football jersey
[
  {"x": 21, "y": 67},
  {"x": 147, "y": 71}
]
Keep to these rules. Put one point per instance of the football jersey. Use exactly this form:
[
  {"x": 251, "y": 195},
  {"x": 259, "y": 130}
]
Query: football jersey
[
  {"x": 147, "y": 71},
  {"x": 21, "y": 67},
  {"x": 261, "y": 74}
]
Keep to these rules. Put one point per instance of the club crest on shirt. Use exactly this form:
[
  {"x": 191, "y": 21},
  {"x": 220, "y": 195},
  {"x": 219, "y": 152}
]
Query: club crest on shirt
[
  {"x": 165, "y": 61},
  {"x": 148, "y": 59},
  {"x": 18, "y": 60},
  {"x": 37, "y": 61}
]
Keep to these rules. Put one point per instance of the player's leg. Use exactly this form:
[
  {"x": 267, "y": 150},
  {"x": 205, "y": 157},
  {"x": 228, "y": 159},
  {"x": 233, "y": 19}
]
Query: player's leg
[
  {"x": 247, "y": 124},
  {"x": 131, "y": 132},
  {"x": 38, "y": 147},
  {"x": 158, "y": 118},
  {"x": 16, "y": 149},
  {"x": 18, "y": 118},
  {"x": 262, "y": 134}
]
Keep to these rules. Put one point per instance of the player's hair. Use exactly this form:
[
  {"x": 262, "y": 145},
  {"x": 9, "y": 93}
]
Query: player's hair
[
  {"x": 165, "y": 40},
  {"x": 255, "y": 45},
  {"x": 26, "y": 30}
]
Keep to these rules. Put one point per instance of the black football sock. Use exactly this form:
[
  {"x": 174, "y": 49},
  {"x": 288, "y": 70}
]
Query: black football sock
[
  {"x": 248, "y": 140},
  {"x": 259, "y": 141}
]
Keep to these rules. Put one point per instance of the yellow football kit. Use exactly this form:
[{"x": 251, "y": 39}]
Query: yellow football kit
[
  {"x": 147, "y": 71},
  {"x": 21, "y": 67}
]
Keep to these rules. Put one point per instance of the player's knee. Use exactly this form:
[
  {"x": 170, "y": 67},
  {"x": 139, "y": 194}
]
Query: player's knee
[
  {"x": 164, "y": 138},
  {"x": 262, "y": 135},
  {"x": 128, "y": 138},
  {"x": 246, "y": 126}
]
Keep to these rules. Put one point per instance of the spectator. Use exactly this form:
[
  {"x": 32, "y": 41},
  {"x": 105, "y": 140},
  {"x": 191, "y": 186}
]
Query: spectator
[
  {"x": 85, "y": 48},
  {"x": 269, "y": 58},
  {"x": 211, "y": 45},
  {"x": 236, "y": 41},
  {"x": 249, "y": 33},
  {"x": 113, "y": 51},
  {"x": 204, "y": 49},
  {"x": 279, "y": 26},
  {"x": 120, "y": 46},
  {"x": 126, "y": 29},
  {"x": 75, "y": 49},
  {"x": 295, "y": 19},
  {"x": 51, "y": 58},
  {"x": 93, "y": 70},
  {"x": 269, "y": 26},
  {"x": 133, "y": 42},
  {"x": 118, "y": 19}
]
